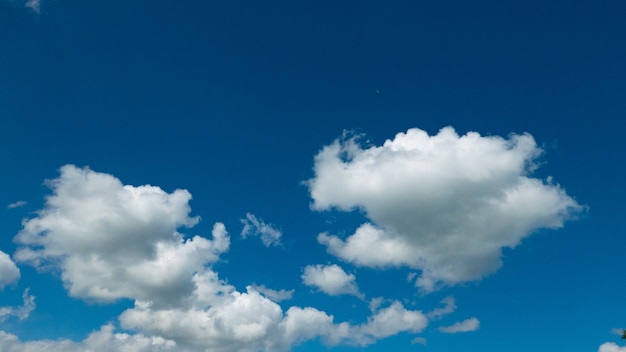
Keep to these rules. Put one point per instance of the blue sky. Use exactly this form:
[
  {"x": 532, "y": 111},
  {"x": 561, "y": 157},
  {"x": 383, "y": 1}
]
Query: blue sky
[{"x": 312, "y": 176}]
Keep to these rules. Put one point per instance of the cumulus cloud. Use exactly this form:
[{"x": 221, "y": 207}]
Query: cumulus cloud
[
  {"x": 330, "y": 279},
  {"x": 274, "y": 295},
  {"x": 252, "y": 226},
  {"x": 109, "y": 240},
  {"x": 445, "y": 204},
  {"x": 467, "y": 325},
  {"x": 21, "y": 312},
  {"x": 115, "y": 241},
  {"x": 611, "y": 347},
  {"x": 9, "y": 273}
]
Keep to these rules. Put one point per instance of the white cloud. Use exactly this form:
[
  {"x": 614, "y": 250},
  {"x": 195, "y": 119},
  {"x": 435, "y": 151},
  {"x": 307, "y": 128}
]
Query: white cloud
[
  {"x": 103, "y": 340},
  {"x": 467, "y": 325},
  {"x": 252, "y": 226},
  {"x": 444, "y": 204},
  {"x": 274, "y": 295},
  {"x": 393, "y": 319},
  {"x": 330, "y": 279},
  {"x": 111, "y": 241},
  {"x": 611, "y": 347},
  {"x": 22, "y": 312},
  {"x": 9, "y": 273},
  {"x": 19, "y": 203}
]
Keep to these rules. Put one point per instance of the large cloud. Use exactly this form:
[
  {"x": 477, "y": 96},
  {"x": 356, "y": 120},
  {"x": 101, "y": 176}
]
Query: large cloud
[
  {"x": 444, "y": 204},
  {"x": 111, "y": 240},
  {"x": 9, "y": 273}
]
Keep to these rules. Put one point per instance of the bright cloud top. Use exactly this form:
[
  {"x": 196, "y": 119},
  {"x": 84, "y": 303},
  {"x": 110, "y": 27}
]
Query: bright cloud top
[
  {"x": 252, "y": 226},
  {"x": 330, "y": 279},
  {"x": 111, "y": 240},
  {"x": 444, "y": 204}
]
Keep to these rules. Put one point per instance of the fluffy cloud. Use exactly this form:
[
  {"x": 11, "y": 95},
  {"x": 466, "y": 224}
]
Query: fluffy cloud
[
  {"x": 467, "y": 325},
  {"x": 444, "y": 204},
  {"x": 9, "y": 273},
  {"x": 330, "y": 279},
  {"x": 611, "y": 347},
  {"x": 103, "y": 340},
  {"x": 256, "y": 227},
  {"x": 111, "y": 240}
]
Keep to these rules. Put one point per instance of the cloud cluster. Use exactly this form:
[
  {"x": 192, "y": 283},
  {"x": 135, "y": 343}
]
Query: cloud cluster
[
  {"x": 445, "y": 204},
  {"x": 252, "y": 226},
  {"x": 331, "y": 279},
  {"x": 103, "y": 340},
  {"x": 111, "y": 241}
]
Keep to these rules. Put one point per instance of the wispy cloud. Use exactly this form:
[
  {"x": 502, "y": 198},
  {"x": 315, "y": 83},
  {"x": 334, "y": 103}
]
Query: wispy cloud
[
  {"x": 35, "y": 5},
  {"x": 470, "y": 324},
  {"x": 21, "y": 312},
  {"x": 270, "y": 236},
  {"x": 449, "y": 307},
  {"x": 274, "y": 295},
  {"x": 19, "y": 203}
]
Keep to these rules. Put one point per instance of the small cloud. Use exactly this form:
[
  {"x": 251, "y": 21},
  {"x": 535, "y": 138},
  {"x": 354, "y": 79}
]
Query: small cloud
[
  {"x": 22, "y": 312},
  {"x": 19, "y": 203},
  {"x": 331, "y": 279},
  {"x": 34, "y": 5},
  {"x": 467, "y": 325},
  {"x": 420, "y": 340},
  {"x": 375, "y": 303},
  {"x": 252, "y": 226},
  {"x": 274, "y": 295},
  {"x": 449, "y": 307}
]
